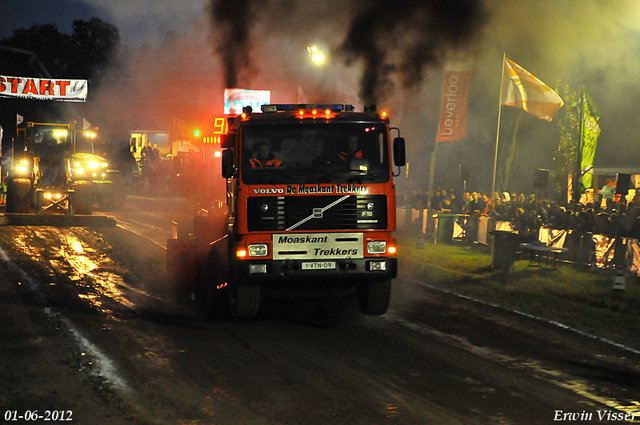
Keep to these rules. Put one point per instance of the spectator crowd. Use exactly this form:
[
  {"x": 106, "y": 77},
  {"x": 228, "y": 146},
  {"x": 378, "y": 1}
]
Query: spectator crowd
[{"x": 527, "y": 214}]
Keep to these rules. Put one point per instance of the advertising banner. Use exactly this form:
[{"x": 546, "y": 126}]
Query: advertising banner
[
  {"x": 44, "y": 88},
  {"x": 589, "y": 142},
  {"x": 455, "y": 99},
  {"x": 236, "y": 99}
]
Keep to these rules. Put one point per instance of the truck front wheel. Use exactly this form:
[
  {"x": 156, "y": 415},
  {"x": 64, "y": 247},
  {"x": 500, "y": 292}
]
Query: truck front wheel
[
  {"x": 374, "y": 297},
  {"x": 244, "y": 301}
]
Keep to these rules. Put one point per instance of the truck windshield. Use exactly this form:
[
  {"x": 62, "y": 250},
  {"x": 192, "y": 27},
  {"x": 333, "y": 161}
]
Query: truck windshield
[{"x": 315, "y": 153}]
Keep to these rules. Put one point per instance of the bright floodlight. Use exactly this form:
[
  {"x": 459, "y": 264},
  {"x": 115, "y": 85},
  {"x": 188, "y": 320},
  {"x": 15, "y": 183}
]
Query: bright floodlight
[{"x": 316, "y": 55}]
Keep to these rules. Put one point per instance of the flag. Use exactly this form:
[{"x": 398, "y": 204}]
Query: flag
[
  {"x": 19, "y": 119},
  {"x": 455, "y": 99},
  {"x": 86, "y": 125},
  {"x": 590, "y": 132},
  {"x": 522, "y": 90}
]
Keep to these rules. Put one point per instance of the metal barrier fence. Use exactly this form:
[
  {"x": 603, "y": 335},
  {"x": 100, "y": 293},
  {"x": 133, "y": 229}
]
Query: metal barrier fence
[{"x": 584, "y": 248}]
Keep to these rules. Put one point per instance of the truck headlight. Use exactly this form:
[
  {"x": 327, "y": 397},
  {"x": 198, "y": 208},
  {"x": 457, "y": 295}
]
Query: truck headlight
[
  {"x": 79, "y": 171},
  {"x": 258, "y": 250},
  {"x": 104, "y": 164},
  {"x": 377, "y": 247},
  {"x": 93, "y": 165}
]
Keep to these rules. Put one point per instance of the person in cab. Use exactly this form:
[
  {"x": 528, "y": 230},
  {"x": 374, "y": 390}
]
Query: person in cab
[{"x": 264, "y": 157}]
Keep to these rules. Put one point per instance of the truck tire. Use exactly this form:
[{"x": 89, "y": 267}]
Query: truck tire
[
  {"x": 374, "y": 297},
  {"x": 19, "y": 196},
  {"x": 244, "y": 301},
  {"x": 82, "y": 199}
]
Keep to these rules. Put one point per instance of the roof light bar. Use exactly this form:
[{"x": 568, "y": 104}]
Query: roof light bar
[{"x": 290, "y": 107}]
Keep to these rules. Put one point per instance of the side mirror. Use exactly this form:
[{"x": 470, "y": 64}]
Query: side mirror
[
  {"x": 227, "y": 163},
  {"x": 399, "y": 154},
  {"x": 227, "y": 141}
]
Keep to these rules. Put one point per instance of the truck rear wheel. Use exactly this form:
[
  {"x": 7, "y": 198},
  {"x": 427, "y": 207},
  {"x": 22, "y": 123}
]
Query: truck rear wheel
[
  {"x": 374, "y": 297},
  {"x": 82, "y": 199},
  {"x": 244, "y": 301},
  {"x": 19, "y": 196}
]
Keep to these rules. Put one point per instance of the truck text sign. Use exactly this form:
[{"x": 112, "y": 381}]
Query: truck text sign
[{"x": 320, "y": 246}]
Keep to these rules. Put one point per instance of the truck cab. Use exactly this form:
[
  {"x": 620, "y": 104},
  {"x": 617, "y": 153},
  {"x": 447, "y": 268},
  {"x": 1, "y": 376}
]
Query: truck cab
[{"x": 310, "y": 206}]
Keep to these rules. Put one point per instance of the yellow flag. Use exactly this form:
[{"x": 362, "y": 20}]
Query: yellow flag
[{"x": 522, "y": 90}]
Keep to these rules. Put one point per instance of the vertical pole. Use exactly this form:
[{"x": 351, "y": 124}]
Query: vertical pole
[
  {"x": 578, "y": 170},
  {"x": 432, "y": 166},
  {"x": 495, "y": 161}
]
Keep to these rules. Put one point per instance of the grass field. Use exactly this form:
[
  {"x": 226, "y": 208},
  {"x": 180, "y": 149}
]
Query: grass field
[{"x": 572, "y": 295}]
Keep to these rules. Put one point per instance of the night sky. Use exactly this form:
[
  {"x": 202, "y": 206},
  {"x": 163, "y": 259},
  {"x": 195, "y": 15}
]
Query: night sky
[{"x": 589, "y": 42}]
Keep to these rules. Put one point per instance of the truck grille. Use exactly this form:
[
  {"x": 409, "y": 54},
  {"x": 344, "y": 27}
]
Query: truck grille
[{"x": 316, "y": 213}]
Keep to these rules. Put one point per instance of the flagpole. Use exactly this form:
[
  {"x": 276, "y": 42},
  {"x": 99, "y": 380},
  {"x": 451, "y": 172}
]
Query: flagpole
[
  {"x": 432, "y": 166},
  {"x": 577, "y": 181},
  {"x": 495, "y": 161}
]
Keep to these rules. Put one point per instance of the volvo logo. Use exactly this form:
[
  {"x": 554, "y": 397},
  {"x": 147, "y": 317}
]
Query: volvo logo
[
  {"x": 267, "y": 191},
  {"x": 370, "y": 206},
  {"x": 264, "y": 207}
]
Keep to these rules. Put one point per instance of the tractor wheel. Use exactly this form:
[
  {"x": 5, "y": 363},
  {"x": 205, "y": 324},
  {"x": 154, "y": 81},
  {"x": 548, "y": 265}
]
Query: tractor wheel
[
  {"x": 116, "y": 196},
  {"x": 82, "y": 199},
  {"x": 19, "y": 196},
  {"x": 374, "y": 297}
]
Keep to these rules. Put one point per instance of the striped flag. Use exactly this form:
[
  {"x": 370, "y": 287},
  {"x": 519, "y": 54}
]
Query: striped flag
[{"x": 522, "y": 90}]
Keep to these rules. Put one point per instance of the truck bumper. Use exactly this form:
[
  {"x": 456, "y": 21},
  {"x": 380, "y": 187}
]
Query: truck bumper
[{"x": 345, "y": 272}]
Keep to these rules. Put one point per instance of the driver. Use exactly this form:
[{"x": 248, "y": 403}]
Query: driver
[
  {"x": 351, "y": 151},
  {"x": 264, "y": 157},
  {"x": 51, "y": 160}
]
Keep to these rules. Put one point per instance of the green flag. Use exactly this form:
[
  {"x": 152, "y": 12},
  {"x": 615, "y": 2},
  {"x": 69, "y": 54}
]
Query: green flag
[{"x": 590, "y": 133}]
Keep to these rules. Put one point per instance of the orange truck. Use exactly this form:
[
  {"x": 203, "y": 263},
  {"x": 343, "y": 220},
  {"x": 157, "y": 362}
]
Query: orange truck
[{"x": 310, "y": 209}]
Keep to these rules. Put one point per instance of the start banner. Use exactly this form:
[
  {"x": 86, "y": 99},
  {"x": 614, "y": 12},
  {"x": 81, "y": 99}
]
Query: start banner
[{"x": 44, "y": 88}]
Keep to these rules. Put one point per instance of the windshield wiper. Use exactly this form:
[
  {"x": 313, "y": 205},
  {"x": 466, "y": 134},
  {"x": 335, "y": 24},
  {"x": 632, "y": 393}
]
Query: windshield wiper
[{"x": 359, "y": 177}]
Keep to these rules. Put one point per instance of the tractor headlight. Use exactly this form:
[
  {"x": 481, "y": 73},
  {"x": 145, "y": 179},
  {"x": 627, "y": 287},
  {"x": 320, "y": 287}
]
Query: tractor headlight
[{"x": 23, "y": 167}]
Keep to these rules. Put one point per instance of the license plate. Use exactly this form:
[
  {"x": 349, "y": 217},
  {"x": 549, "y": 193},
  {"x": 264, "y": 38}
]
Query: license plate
[{"x": 319, "y": 265}]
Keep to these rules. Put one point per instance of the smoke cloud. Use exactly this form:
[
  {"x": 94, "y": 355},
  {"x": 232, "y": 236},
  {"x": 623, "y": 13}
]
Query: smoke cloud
[
  {"x": 391, "y": 52},
  {"x": 406, "y": 37},
  {"x": 231, "y": 24}
]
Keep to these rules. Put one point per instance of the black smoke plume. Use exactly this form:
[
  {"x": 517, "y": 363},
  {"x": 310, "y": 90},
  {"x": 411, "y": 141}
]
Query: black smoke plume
[
  {"x": 231, "y": 24},
  {"x": 406, "y": 37}
]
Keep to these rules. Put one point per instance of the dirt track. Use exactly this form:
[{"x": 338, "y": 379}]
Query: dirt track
[{"x": 88, "y": 327}]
